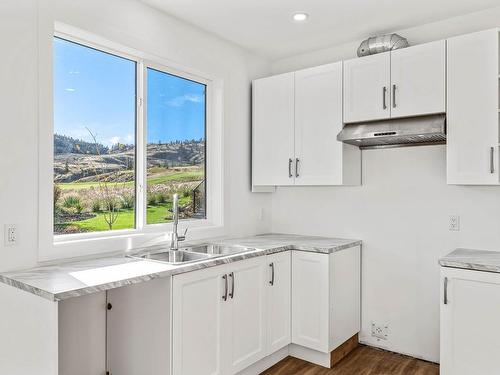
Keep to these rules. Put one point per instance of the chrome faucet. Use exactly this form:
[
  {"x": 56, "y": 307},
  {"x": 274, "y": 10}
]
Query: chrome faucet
[{"x": 175, "y": 239}]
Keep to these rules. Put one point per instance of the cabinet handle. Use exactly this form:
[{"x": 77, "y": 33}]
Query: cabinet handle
[
  {"x": 445, "y": 291},
  {"x": 297, "y": 161},
  {"x": 393, "y": 96},
  {"x": 384, "y": 93},
  {"x": 290, "y": 161},
  {"x": 231, "y": 294},
  {"x": 492, "y": 160},
  {"x": 109, "y": 306},
  {"x": 272, "y": 274},
  {"x": 224, "y": 297}
]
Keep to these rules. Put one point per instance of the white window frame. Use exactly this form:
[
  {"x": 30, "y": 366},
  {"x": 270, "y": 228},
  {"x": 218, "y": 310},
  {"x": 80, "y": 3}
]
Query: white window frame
[{"x": 72, "y": 245}]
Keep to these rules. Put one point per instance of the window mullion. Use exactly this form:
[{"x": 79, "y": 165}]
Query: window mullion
[{"x": 141, "y": 152}]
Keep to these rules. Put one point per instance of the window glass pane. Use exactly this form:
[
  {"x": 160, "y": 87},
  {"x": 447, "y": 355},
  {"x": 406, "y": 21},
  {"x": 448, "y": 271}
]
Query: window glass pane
[
  {"x": 175, "y": 146},
  {"x": 94, "y": 139}
]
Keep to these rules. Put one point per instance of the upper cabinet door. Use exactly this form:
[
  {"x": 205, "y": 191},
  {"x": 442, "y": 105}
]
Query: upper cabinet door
[
  {"x": 273, "y": 131},
  {"x": 418, "y": 80},
  {"x": 367, "y": 88},
  {"x": 318, "y": 120},
  {"x": 472, "y": 109}
]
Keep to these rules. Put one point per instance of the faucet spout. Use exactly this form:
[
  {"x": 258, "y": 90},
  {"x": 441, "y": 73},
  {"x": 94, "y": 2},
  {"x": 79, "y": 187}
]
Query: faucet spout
[{"x": 175, "y": 238}]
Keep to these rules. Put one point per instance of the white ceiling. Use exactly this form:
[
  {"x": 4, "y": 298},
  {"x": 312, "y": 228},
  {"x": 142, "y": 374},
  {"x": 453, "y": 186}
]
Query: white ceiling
[{"x": 265, "y": 26}]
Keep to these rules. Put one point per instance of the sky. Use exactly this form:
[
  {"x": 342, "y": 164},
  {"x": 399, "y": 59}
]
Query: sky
[{"x": 96, "y": 90}]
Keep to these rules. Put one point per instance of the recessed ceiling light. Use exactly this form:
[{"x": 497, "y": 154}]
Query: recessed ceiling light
[{"x": 300, "y": 17}]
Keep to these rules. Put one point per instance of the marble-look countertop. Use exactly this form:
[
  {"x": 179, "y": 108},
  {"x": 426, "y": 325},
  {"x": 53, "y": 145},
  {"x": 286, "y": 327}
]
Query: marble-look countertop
[
  {"x": 478, "y": 260},
  {"x": 77, "y": 278}
]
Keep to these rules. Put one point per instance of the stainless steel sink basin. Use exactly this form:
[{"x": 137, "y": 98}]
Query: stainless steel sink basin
[
  {"x": 175, "y": 256},
  {"x": 193, "y": 253},
  {"x": 214, "y": 249}
]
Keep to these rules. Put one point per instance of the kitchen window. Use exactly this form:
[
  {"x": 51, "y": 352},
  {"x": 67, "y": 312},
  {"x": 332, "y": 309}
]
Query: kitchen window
[{"x": 128, "y": 130}]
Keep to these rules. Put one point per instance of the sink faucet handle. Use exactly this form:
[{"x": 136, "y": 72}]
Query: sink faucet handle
[{"x": 183, "y": 237}]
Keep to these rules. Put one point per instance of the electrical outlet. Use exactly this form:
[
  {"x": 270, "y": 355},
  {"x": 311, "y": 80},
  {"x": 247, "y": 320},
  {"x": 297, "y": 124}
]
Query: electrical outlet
[
  {"x": 454, "y": 223},
  {"x": 380, "y": 331},
  {"x": 10, "y": 235}
]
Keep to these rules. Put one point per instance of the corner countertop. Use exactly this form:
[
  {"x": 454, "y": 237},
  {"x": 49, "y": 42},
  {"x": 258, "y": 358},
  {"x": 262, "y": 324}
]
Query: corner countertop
[
  {"x": 78, "y": 278},
  {"x": 477, "y": 260}
]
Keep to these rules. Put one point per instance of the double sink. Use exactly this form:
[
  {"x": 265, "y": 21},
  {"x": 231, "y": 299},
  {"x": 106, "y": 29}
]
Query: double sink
[{"x": 193, "y": 254}]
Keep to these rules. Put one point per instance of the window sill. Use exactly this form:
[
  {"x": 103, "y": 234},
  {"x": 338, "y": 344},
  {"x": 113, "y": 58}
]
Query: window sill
[{"x": 121, "y": 242}]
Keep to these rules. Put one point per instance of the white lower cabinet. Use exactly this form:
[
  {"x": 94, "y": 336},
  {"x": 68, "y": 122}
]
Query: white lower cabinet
[
  {"x": 279, "y": 301},
  {"x": 470, "y": 322},
  {"x": 325, "y": 298},
  {"x": 219, "y": 318}
]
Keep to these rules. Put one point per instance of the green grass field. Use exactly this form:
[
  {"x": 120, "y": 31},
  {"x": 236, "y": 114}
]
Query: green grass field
[
  {"x": 175, "y": 177},
  {"x": 155, "y": 215}
]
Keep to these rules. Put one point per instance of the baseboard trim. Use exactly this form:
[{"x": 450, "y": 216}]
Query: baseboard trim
[{"x": 266, "y": 362}]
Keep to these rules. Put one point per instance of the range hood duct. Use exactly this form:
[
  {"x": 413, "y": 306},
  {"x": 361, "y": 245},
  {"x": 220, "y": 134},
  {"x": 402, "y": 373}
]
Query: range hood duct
[{"x": 412, "y": 131}]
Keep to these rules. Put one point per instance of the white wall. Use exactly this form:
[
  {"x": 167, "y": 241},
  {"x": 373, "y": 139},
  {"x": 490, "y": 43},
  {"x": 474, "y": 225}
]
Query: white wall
[
  {"x": 469, "y": 23},
  {"x": 134, "y": 25},
  {"x": 400, "y": 212}
]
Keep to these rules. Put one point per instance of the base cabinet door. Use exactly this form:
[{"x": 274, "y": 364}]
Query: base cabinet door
[
  {"x": 470, "y": 322},
  {"x": 138, "y": 323},
  {"x": 199, "y": 318},
  {"x": 278, "y": 301},
  {"x": 245, "y": 328},
  {"x": 310, "y": 300}
]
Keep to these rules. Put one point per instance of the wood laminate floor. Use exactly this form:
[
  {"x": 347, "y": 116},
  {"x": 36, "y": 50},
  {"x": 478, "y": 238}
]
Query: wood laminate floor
[{"x": 364, "y": 360}]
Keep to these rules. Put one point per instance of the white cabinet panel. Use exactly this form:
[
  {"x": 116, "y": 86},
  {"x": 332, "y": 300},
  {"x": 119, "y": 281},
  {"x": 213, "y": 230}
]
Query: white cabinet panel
[
  {"x": 139, "y": 328},
  {"x": 418, "y": 80},
  {"x": 472, "y": 109},
  {"x": 246, "y": 343},
  {"x": 198, "y": 319},
  {"x": 318, "y": 120},
  {"x": 82, "y": 335},
  {"x": 367, "y": 88},
  {"x": 470, "y": 323},
  {"x": 272, "y": 130},
  {"x": 310, "y": 300},
  {"x": 278, "y": 301}
]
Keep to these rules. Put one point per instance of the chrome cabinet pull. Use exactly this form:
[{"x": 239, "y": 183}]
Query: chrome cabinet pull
[
  {"x": 393, "y": 96},
  {"x": 224, "y": 297},
  {"x": 290, "y": 161},
  {"x": 231, "y": 294},
  {"x": 445, "y": 291},
  {"x": 384, "y": 92},
  {"x": 297, "y": 160},
  {"x": 492, "y": 160},
  {"x": 271, "y": 282}
]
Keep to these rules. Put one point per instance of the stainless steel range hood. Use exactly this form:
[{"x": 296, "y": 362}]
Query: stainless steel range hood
[{"x": 410, "y": 131}]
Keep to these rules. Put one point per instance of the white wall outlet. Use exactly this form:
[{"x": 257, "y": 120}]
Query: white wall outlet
[
  {"x": 10, "y": 235},
  {"x": 380, "y": 331},
  {"x": 454, "y": 222}
]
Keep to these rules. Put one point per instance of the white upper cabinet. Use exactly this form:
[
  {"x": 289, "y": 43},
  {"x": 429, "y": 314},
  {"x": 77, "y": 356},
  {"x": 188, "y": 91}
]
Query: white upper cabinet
[
  {"x": 296, "y": 119},
  {"x": 273, "y": 131},
  {"x": 472, "y": 109},
  {"x": 367, "y": 83},
  {"x": 418, "y": 76},
  {"x": 319, "y": 158},
  {"x": 401, "y": 83}
]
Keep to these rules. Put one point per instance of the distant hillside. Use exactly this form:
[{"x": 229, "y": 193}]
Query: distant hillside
[
  {"x": 77, "y": 160},
  {"x": 68, "y": 145}
]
